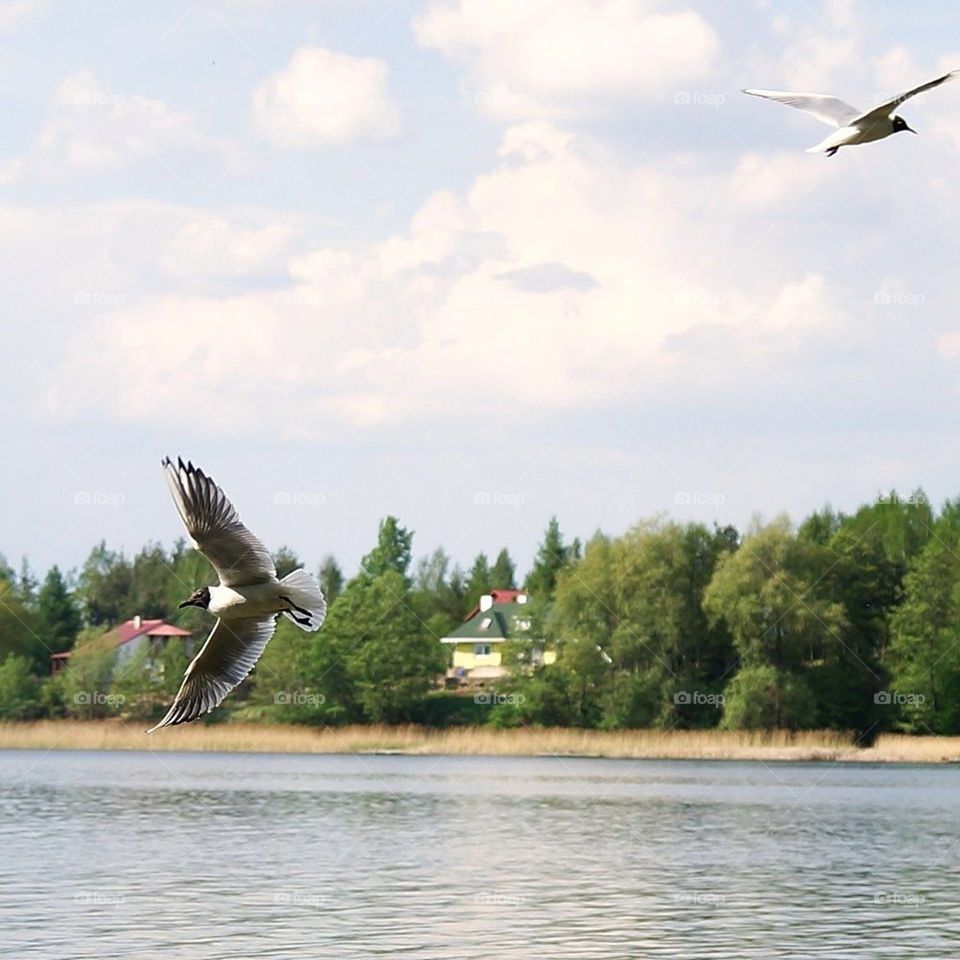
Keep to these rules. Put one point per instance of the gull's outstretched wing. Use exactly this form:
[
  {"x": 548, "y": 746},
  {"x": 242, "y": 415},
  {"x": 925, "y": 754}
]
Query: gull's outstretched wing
[
  {"x": 215, "y": 528},
  {"x": 229, "y": 654},
  {"x": 886, "y": 109},
  {"x": 827, "y": 109}
]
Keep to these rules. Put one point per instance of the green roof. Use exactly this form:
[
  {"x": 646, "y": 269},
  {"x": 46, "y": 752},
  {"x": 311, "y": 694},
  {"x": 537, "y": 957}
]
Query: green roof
[{"x": 494, "y": 625}]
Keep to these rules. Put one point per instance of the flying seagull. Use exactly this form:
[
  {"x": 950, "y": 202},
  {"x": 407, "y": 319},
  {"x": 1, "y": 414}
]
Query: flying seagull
[
  {"x": 853, "y": 126},
  {"x": 246, "y": 601}
]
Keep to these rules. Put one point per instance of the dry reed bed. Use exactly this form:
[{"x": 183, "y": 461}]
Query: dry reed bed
[{"x": 673, "y": 744}]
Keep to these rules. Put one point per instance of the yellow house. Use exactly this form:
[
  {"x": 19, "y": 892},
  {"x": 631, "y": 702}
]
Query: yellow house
[{"x": 478, "y": 643}]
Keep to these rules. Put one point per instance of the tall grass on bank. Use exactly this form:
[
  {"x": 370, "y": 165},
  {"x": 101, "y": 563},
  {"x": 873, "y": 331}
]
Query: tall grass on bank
[{"x": 663, "y": 744}]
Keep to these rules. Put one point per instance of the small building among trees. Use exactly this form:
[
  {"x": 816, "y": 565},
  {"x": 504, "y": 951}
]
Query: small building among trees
[
  {"x": 132, "y": 640},
  {"x": 479, "y": 644}
]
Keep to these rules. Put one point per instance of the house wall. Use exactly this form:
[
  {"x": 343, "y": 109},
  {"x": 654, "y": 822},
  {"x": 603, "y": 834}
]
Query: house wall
[
  {"x": 463, "y": 656},
  {"x": 131, "y": 650}
]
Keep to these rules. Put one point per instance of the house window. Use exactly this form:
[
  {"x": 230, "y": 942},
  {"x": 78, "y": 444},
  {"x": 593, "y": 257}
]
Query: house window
[
  {"x": 485, "y": 623},
  {"x": 481, "y": 649}
]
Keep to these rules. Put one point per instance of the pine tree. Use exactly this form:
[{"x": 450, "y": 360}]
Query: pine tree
[
  {"x": 57, "y": 613},
  {"x": 552, "y": 557},
  {"x": 330, "y": 577},
  {"x": 286, "y": 561},
  {"x": 478, "y": 580},
  {"x": 503, "y": 573},
  {"x": 392, "y": 551}
]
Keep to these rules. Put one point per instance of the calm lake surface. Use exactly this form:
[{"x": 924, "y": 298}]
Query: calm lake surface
[{"x": 108, "y": 855}]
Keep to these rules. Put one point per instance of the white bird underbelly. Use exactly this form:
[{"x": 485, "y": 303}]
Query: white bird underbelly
[
  {"x": 845, "y": 136},
  {"x": 255, "y": 600}
]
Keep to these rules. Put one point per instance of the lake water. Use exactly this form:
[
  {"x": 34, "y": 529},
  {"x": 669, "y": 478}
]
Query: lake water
[{"x": 186, "y": 856}]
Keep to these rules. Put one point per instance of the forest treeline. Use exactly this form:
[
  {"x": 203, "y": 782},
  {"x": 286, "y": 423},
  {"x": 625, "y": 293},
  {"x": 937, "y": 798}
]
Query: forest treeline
[{"x": 844, "y": 621}]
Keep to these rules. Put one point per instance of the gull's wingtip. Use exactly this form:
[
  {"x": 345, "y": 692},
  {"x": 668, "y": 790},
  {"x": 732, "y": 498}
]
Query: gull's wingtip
[{"x": 167, "y": 720}]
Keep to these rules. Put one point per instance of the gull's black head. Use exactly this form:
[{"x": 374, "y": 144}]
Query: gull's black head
[
  {"x": 900, "y": 124},
  {"x": 199, "y": 598}
]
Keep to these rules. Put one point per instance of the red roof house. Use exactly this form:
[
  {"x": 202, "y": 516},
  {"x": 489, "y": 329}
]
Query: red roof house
[{"x": 129, "y": 639}]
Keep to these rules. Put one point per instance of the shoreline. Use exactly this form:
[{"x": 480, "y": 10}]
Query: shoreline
[{"x": 776, "y": 745}]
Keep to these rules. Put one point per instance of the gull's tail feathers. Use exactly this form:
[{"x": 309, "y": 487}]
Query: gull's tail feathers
[{"x": 303, "y": 593}]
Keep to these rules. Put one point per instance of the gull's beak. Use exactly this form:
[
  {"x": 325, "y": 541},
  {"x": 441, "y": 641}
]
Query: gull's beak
[
  {"x": 186, "y": 603},
  {"x": 911, "y": 129}
]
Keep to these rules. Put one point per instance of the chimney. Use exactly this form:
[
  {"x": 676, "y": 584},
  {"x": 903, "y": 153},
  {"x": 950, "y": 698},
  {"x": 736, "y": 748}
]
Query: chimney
[
  {"x": 137, "y": 622},
  {"x": 486, "y": 602}
]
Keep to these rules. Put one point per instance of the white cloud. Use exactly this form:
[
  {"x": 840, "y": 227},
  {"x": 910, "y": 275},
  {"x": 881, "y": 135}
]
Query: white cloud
[
  {"x": 322, "y": 98},
  {"x": 425, "y": 321},
  {"x": 14, "y": 11},
  {"x": 213, "y": 245},
  {"x": 92, "y": 128},
  {"x": 544, "y": 57},
  {"x": 762, "y": 182}
]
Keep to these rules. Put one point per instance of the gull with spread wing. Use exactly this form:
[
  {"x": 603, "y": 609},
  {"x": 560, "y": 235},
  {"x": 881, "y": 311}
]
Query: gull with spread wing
[
  {"x": 853, "y": 126},
  {"x": 246, "y": 601}
]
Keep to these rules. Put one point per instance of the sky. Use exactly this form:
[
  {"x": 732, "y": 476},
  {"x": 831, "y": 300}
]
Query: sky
[{"x": 472, "y": 263}]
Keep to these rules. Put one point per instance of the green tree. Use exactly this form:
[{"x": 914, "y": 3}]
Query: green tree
[
  {"x": 766, "y": 595},
  {"x": 862, "y": 566},
  {"x": 286, "y": 561},
  {"x": 87, "y": 680},
  {"x": 282, "y": 685},
  {"x": 58, "y": 617},
  {"x": 375, "y": 637},
  {"x": 452, "y": 598},
  {"x": 19, "y": 629},
  {"x": 19, "y": 690},
  {"x": 105, "y": 587},
  {"x": 478, "y": 580},
  {"x": 638, "y": 598},
  {"x": 503, "y": 573},
  {"x": 392, "y": 551},
  {"x": 152, "y": 582},
  {"x": 762, "y": 697},
  {"x": 431, "y": 594},
  {"x": 924, "y": 652},
  {"x": 330, "y": 578},
  {"x": 552, "y": 556}
]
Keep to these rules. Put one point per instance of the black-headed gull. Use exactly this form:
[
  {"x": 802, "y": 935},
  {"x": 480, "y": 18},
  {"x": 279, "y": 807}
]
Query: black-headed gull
[
  {"x": 246, "y": 601},
  {"x": 853, "y": 126}
]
